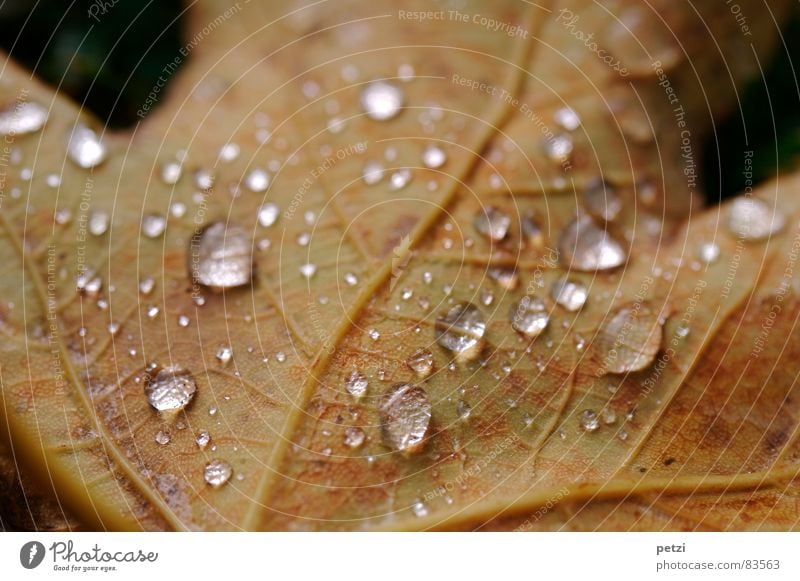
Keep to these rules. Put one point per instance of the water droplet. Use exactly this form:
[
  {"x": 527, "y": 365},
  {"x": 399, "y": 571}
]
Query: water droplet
[
  {"x": 505, "y": 277},
  {"x": 381, "y": 101},
  {"x": 708, "y": 252},
  {"x": 183, "y": 321},
  {"x": 222, "y": 256},
  {"x": 113, "y": 327},
  {"x": 567, "y": 118},
  {"x": 356, "y": 384},
  {"x": 532, "y": 231},
  {"x": 354, "y": 437},
  {"x": 434, "y": 157},
  {"x": 169, "y": 388},
  {"x": 153, "y": 225},
  {"x": 559, "y": 148},
  {"x": 53, "y": 180},
  {"x": 268, "y": 214},
  {"x": 374, "y": 334},
  {"x": 609, "y": 416},
  {"x": 21, "y": 118},
  {"x": 62, "y": 216},
  {"x": 602, "y": 201},
  {"x": 224, "y": 354},
  {"x": 754, "y": 219},
  {"x": 419, "y": 509},
  {"x": 202, "y": 439},
  {"x": 162, "y": 438},
  {"x": 152, "y": 312},
  {"x": 405, "y": 413},
  {"x": 487, "y": 297},
  {"x": 630, "y": 338},
  {"x": 463, "y": 409},
  {"x": 399, "y": 179},
  {"x": 217, "y": 472},
  {"x": 146, "y": 285},
  {"x": 569, "y": 294},
  {"x": 171, "y": 172},
  {"x": 85, "y": 148},
  {"x": 530, "y": 316},
  {"x": 203, "y": 179},
  {"x": 351, "y": 279},
  {"x": 421, "y": 363},
  {"x": 427, "y": 277},
  {"x": 229, "y": 152},
  {"x": 682, "y": 331},
  {"x": 98, "y": 223},
  {"x": 280, "y": 356},
  {"x": 257, "y": 180},
  {"x": 308, "y": 270},
  {"x": 460, "y": 329},
  {"x": 372, "y": 172},
  {"x": 585, "y": 246},
  {"x": 589, "y": 420},
  {"x": 492, "y": 223}
]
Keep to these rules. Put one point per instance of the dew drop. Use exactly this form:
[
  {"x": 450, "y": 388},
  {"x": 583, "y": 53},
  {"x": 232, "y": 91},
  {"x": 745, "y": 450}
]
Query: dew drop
[
  {"x": 381, "y": 101},
  {"x": 280, "y": 356},
  {"x": 569, "y": 294},
  {"x": 559, "y": 148},
  {"x": 399, "y": 179},
  {"x": 421, "y": 363},
  {"x": 169, "y": 388},
  {"x": 532, "y": 231},
  {"x": 203, "y": 179},
  {"x": 434, "y": 157},
  {"x": 609, "y": 416},
  {"x": 630, "y": 338},
  {"x": 405, "y": 413},
  {"x": 224, "y": 354},
  {"x": 530, "y": 316},
  {"x": 113, "y": 328},
  {"x": 372, "y": 172},
  {"x": 85, "y": 148},
  {"x": 708, "y": 252},
  {"x": 602, "y": 201},
  {"x": 567, "y": 118},
  {"x": 202, "y": 439},
  {"x": 492, "y": 223},
  {"x": 354, "y": 437},
  {"x": 162, "y": 438},
  {"x": 257, "y": 180},
  {"x": 153, "y": 225},
  {"x": 21, "y": 118},
  {"x": 221, "y": 257},
  {"x": 419, "y": 509},
  {"x": 463, "y": 409},
  {"x": 753, "y": 219},
  {"x": 217, "y": 472},
  {"x": 505, "y": 277},
  {"x": 229, "y": 152},
  {"x": 183, "y": 321},
  {"x": 460, "y": 330},
  {"x": 268, "y": 214},
  {"x": 171, "y": 172},
  {"x": 308, "y": 270},
  {"x": 351, "y": 279},
  {"x": 585, "y": 246},
  {"x": 98, "y": 223},
  {"x": 146, "y": 285},
  {"x": 589, "y": 420},
  {"x": 356, "y": 384}
]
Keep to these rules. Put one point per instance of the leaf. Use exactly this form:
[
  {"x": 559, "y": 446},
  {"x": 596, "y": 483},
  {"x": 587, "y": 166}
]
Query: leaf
[{"x": 521, "y": 437}]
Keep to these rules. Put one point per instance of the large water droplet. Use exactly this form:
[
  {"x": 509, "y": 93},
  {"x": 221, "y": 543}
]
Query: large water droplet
[
  {"x": 169, "y": 388},
  {"x": 221, "y": 257},
  {"x": 585, "y": 246},
  {"x": 405, "y": 413},
  {"x": 460, "y": 329},
  {"x": 85, "y": 148},
  {"x": 530, "y": 316},
  {"x": 754, "y": 219},
  {"x": 21, "y": 118},
  {"x": 492, "y": 223},
  {"x": 569, "y": 294},
  {"x": 630, "y": 338},
  {"x": 421, "y": 363},
  {"x": 356, "y": 384},
  {"x": 217, "y": 472},
  {"x": 381, "y": 101}
]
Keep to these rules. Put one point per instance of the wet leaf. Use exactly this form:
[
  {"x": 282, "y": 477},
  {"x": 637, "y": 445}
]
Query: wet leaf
[{"x": 306, "y": 213}]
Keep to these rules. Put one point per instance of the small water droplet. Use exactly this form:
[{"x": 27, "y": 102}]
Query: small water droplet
[
  {"x": 505, "y": 277},
  {"x": 585, "y": 246},
  {"x": 351, "y": 279},
  {"x": 434, "y": 157},
  {"x": 374, "y": 334},
  {"x": 399, "y": 179},
  {"x": 183, "y": 321},
  {"x": 492, "y": 223},
  {"x": 602, "y": 201},
  {"x": 487, "y": 297},
  {"x": 171, "y": 172},
  {"x": 381, "y": 101},
  {"x": 708, "y": 252},
  {"x": 630, "y": 338},
  {"x": 405, "y": 414},
  {"x": 463, "y": 409},
  {"x": 682, "y": 331},
  {"x": 221, "y": 257},
  {"x": 217, "y": 472},
  {"x": 589, "y": 420},
  {"x": 113, "y": 328},
  {"x": 63, "y": 216},
  {"x": 98, "y": 223},
  {"x": 204, "y": 179},
  {"x": 257, "y": 180},
  {"x": 280, "y": 357},
  {"x": 146, "y": 285},
  {"x": 169, "y": 388},
  {"x": 162, "y": 438},
  {"x": 567, "y": 118},
  {"x": 152, "y": 312},
  {"x": 569, "y": 294},
  {"x": 224, "y": 354},
  {"x": 532, "y": 231},
  {"x": 460, "y": 329},
  {"x": 427, "y": 277},
  {"x": 753, "y": 219},
  {"x": 308, "y": 270},
  {"x": 153, "y": 225},
  {"x": 559, "y": 148},
  {"x": 421, "y": 363},
  {"x": 530, "y": 316},
  {"x": 229, "y": 152},
  {"x": 202, "y": 439},
  {"x": 419, "y": 509},
  {"x": 354, "y": 437},
  {"x": 21, "y": 118},
  {"x": 372, "y": 172},
  {"x": 609, "y": 416},
  {"x": 85, "y": 148},
  {"x": 268, "y": 214}
]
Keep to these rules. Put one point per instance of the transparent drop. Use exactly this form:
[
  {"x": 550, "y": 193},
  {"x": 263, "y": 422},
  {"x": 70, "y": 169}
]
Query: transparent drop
[
  {"x": 589, "y": 420},
  {"x": 585, "y": 246},
  {"x": 609, "y": 416},
  {"x": 171, "y": 172},
  {"x": 354, "y": 437},
  {"x": 351, "y": 279},
  {"x": 567, "y": 119},
  {"x": 374, "y": 334},
  {"x": 602, "y": 201},
  {"x": 153, "y": 225},
  {"x": 372, "y": 172},
  {"x": 492, "y": 223},
  {"x": 257, "y": 180},
  {"x": 113, "y": 328},
  {"x": 505, "y": 277},
  {"x": 530, "y": 316},
  {"x": 217, "y": 472},
  {"x": 559, "y": 148},
  {"x": 169, "y": 388},
  {"x": 708, "y": 252},
  {"x": 204, "y": 179},
  {"x": 221, "y": 257},
  {"x": 146, "y": 285},
  {"x": 280, "y": 356},
  {"x": 268, "y": 214},
  {"x": 419, "y": 509},
  {"x": 421, "y": 363},
  {"x": 229, "y": 152},
  {"x": 202, "y": 439},
  {"x": 356, "y": 384},
  {"x": 224, "y": 354},
  {"x": 308, "y": 270},
  {"x": 183, "y": 321},
  {"x": 152, "y": 312},
  {"x": 98, "y": 223},
  {"x": 399, "y": 179},
  {"x": 569, "y": 294},
  {"x": 381, "y": 101},
  {"x": 463, "y": 409},
  {"x": 405, "y": 414},
  {"x": 753, "y": 219},
  {"x": 21, "y": 118},
  {"x": 162, "y": 438},
  {"x": 460, "y": 330},
  {"x": 434, "y": 157},
  {"x": 85, "y": 148},
  {"x": 532, "y": 231},
  {"x": 487, "y": 298},
  {"x": 630, "y": 338}
]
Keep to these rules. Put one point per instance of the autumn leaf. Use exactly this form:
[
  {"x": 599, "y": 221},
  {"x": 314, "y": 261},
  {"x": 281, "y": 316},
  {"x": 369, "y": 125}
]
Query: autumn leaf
[{"x": 363, "y": 267}]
